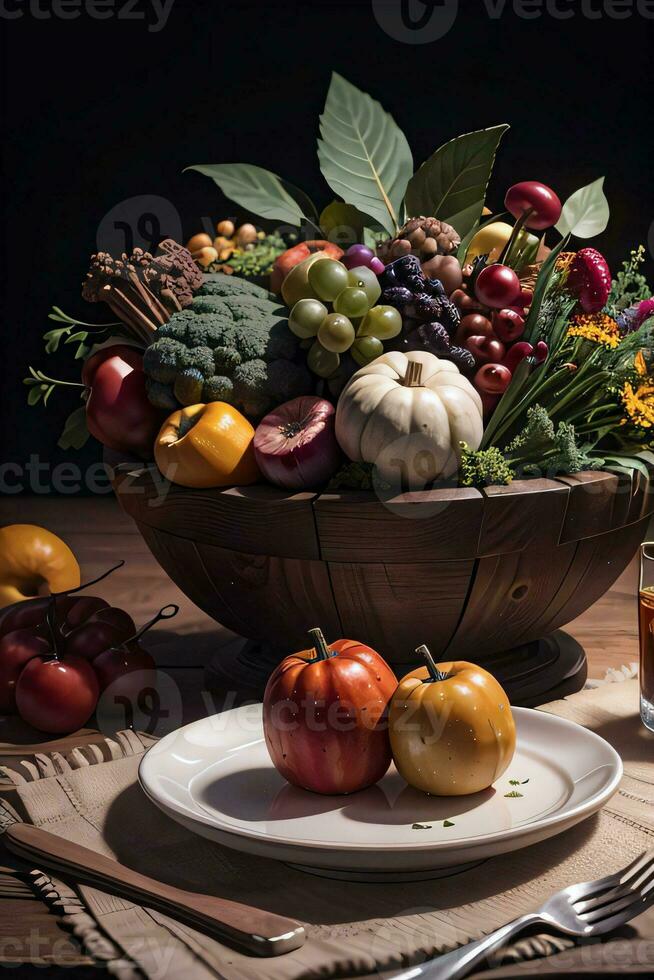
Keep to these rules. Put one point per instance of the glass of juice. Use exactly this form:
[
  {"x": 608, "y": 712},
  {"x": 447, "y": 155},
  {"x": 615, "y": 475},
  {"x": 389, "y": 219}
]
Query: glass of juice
[{"x": 646, "y": 633}]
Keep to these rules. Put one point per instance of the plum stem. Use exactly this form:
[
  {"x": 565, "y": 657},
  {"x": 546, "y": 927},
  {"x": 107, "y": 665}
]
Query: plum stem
[
  {"x": 162, "y": 614},
  {"x": 86, "y": 585}
]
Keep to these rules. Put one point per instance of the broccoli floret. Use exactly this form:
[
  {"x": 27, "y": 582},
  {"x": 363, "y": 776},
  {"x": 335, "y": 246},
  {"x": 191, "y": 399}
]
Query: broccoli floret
[
  {"x": 483, "y": 468},
  {"x": 160, "y": 395},
  {"x": 162, "y": 359},
  {"x": 541, "y": 448},
  {"x": 226, "y": 359},
  {"x": 218, "y": 389},
  {"x": 233, "y": 334},
  {"x": 211, "y": 304},
  {"x": 281, "y": 342},
  {"x": 251, "y": 388},
  {"x": 200, "y": 358},
  {"x": 188, "y": 386},
  {"x": 207, "y": 329},
  {"x": 218, "y": 284}
]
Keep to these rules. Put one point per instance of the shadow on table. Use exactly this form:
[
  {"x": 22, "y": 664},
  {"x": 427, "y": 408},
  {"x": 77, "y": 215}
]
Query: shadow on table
[
  {"x": 170, "y": 853},
  {"x": 629, "y": 737}
]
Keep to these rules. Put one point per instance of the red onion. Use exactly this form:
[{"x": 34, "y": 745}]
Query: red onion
[{"x": 295, "y": 445}]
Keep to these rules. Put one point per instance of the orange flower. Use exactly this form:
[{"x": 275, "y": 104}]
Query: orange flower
[
  {"x": 639, "y": 364},
  {"x": 596, "y": 327},
  {"x": 639, "y": 405}
]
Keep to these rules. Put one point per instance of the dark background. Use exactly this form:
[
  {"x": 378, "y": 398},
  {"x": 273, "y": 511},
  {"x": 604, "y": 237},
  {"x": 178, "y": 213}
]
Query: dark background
[{"x": 99, "y": 111}]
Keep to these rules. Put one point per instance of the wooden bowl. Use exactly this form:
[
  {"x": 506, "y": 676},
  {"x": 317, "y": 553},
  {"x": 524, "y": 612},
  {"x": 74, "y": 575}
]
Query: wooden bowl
[{"x": 469, "y": 573}]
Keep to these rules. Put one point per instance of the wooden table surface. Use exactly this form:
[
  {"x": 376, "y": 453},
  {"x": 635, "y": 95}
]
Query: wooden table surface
[{"x": 99, "y": 534}]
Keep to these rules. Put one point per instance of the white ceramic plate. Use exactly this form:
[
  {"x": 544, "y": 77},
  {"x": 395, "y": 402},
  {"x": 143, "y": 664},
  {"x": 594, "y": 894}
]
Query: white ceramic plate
[{"x": 215, "y": 777}]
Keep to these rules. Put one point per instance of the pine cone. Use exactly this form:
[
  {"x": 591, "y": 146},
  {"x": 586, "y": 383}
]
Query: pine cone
[{"x": 424, "y": 237}]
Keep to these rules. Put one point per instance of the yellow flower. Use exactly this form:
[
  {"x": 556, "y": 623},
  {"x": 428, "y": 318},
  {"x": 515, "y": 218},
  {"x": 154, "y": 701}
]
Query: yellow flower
[
  {"x": 639, "y": 364},
  {"x": 639, "y": 405},
  {"x": 564, "y": 261},
  {"x": 596, "y": 327}
]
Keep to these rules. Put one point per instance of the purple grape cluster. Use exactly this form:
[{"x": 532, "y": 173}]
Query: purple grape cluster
[{"x": 430, "y": 319}]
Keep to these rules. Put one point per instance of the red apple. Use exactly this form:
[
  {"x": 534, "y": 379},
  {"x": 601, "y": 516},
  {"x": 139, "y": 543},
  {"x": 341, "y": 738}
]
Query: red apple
[
  {"x": 118, "y": 412},
  {"x": 57, "y": 696},
  {"x": 16, "y": 650}
]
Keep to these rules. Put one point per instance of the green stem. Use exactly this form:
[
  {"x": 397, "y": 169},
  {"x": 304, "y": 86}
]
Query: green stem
[
  {"x": 322, "y": 650},
  {"x": 43, "y": 379},
  {"x": 517, "y": 228},
  {"x": 434, "y": 673}
]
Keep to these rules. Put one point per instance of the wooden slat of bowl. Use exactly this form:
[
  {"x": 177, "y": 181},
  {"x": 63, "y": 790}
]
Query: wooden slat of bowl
[
  {"x": 259, "y": 520},
  {"x": 253, "y": 595},
  {"x": 598, "y": 562},
  {"x": 507, "y": 594},
  {"x": 593, "y": 504},
  {"x": 276, "y": 598},
  {"x": 432, "y": 525},
  {"x": 397, "y": 606},
  {"x": 525, "y": 514}
]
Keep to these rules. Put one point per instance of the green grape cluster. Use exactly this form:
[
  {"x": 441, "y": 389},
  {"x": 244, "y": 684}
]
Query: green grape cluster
[{"x": 353, "y": 323}]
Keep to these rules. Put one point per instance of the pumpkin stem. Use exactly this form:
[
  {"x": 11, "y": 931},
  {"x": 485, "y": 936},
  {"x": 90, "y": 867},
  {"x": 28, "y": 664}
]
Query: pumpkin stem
[
  {"x": 413, "y": 376},
  {"x": 434, "y": 673},
  {"x": 322, "y": 650}
]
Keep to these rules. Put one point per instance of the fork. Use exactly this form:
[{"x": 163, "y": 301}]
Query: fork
[{"x": 591, "y": 908}]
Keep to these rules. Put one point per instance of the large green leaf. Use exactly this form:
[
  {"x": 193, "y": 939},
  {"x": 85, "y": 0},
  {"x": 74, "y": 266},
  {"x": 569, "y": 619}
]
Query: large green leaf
[
  {"x": 586, "y": 212},
  {"x": 364, "y": 156},
  {"x": 255, "y": 189},
  {"x": 451, "y": 184}
]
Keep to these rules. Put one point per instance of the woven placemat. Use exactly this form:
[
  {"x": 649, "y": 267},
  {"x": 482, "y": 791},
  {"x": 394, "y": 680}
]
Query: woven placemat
[{"x": 91, "y": 794}]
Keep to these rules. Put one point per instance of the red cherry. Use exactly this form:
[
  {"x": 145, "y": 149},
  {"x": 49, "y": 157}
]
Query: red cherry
[
  {"x": 16, "y": 650},
  {"x": 508, "y": 326},
  {"x": 116, "y": 617},
  {"x": 473, "y": 325},
  {"x": 530, "y": 194},
  {"x": 120, "y": 660},
  {"x": 526, "y": 298},
  {"x": 57, "y": 696},
  {"x": 497, "y": 286},
  {"x": 493, "y": 379},
  {"x": 485, "y": 349}
]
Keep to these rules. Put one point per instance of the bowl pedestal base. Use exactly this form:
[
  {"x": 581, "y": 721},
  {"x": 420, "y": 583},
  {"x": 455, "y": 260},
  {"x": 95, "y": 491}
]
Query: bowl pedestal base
[{"x": 531, "y": 674}]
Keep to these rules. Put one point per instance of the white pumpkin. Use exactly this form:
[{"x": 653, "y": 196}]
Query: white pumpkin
[{"x": 407, "y": 414}]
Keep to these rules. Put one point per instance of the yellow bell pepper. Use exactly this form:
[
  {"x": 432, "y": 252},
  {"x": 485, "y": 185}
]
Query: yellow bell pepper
[
  {"x": 207, "y": 446},
  {"x": 34, "y": 561},
  {"x": 451, "y": 728}
]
